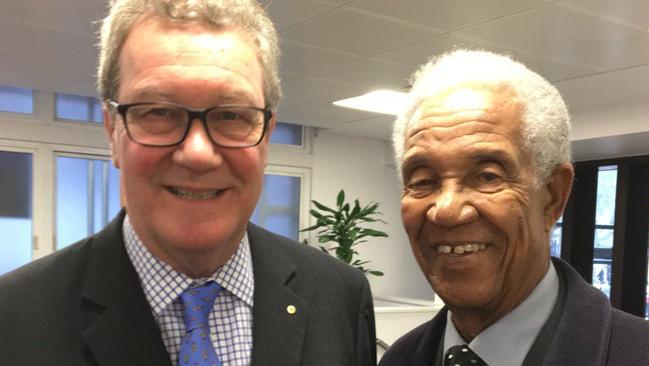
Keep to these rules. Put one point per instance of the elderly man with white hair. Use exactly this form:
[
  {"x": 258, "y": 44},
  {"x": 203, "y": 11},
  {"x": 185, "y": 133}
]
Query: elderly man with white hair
[{"x": 484, "y": 157}]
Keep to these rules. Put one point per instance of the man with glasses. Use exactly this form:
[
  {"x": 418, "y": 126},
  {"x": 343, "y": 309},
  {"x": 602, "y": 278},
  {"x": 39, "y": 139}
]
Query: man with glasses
[{"x": 181, "y": 277}]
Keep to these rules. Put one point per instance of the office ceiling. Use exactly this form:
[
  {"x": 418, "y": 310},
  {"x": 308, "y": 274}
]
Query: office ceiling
[{"x": 595, "y": 51}]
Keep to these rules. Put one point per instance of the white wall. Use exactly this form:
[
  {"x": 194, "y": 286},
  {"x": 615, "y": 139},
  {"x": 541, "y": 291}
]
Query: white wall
[{"x": 363, "y": 168}]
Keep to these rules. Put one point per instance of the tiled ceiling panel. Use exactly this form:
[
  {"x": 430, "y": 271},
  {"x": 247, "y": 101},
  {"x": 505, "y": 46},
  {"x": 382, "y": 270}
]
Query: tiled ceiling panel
[
  {"x": 446, "y": 15},
  {"x": 287, "y": 13},
  {"x": 319, "y": 90},
  {"x": 308, "y": 60},
  {"x": 356, "y": 32},
  {"x": 597, "y": 51},
  {"x": 633, "y": 13},
  {"x": 66, "y": 16},
  {"x": 372, "y": 74},
  {"x": 563, "y": 33}
]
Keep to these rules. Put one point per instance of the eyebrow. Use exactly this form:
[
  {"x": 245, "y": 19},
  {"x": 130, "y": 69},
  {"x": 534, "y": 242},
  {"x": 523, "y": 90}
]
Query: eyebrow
[{"x": 151, "y": 93}]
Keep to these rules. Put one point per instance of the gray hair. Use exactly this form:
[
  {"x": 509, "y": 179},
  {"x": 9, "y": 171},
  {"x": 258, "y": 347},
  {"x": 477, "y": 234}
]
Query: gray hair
[
  {"x": 220, "y": 14},
  {"x": 545, "y": 121}
]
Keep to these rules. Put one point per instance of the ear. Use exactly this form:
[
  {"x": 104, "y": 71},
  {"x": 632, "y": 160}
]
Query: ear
[
  {"x": 109, "y": 126},
  {"x": 558, "y": 185}
]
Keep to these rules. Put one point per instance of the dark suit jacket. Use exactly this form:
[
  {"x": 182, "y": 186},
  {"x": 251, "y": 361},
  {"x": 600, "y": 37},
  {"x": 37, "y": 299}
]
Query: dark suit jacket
[
  {"x": 586, "y": 331},
  {"x": 83, "y": 305}
]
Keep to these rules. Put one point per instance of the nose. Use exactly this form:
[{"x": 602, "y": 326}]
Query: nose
[
  {"x": 452, "y": 207},
  {"x": 197, "y": 152}
]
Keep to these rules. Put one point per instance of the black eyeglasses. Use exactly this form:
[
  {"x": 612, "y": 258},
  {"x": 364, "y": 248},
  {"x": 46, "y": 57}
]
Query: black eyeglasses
[{"x": 167, "y": 124}]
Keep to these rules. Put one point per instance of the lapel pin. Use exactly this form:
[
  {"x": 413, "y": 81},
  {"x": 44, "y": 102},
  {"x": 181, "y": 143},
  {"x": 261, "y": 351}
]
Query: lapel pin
[{"x": 291, "y": 309}]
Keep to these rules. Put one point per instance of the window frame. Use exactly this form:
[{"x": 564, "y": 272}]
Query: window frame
[{"x": 631, "y": 228}]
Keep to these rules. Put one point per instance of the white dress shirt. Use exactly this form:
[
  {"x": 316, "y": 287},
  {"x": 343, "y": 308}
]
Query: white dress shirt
[{"x": 230, "y": 321}]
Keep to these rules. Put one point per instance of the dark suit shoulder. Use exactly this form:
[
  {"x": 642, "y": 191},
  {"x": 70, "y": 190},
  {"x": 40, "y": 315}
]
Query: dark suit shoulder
[
  {"x": 629, "y": 343},
  {"x": 310, "y": 261}
]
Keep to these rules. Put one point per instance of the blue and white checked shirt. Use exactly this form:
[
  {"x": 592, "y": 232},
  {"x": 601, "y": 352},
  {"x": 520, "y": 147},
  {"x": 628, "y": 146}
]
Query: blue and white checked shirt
[{"x": 231, "y": 318}]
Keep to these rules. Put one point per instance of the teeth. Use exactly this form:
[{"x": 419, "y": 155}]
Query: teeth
[
  {"x": 194, "y": 195},
  {"x": 460, "y": 249}
]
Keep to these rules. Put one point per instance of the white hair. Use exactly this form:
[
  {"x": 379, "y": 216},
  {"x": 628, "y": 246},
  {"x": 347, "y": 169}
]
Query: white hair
[{"x": 545, "y": 121}]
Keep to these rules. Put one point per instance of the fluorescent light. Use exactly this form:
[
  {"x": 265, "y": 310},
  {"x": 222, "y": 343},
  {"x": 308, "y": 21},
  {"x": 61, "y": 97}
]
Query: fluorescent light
[{"x": 379, "y": 101}]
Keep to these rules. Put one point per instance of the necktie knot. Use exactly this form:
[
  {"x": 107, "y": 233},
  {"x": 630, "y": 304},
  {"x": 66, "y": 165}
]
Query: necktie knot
[
  {"x": 198, "y": 303},
  {"x": 462, "y": 355}
]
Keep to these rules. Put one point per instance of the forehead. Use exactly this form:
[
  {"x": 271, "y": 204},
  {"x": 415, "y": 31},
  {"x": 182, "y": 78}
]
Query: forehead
[
  {"x": 466, "y": 121},
  {"x": 159, "y": 53}
]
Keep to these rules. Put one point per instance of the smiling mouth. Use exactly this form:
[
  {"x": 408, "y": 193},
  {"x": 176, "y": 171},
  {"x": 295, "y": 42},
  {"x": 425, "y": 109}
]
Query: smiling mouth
[
  {"x": 460, "y": 249},
  {"x": 194, "y": 195}
]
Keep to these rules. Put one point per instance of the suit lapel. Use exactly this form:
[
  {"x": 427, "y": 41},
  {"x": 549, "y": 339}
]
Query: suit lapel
[
  {"x": 277, "y": 334},
  {"x": 575, "y": 342},
  {"x": 119, "y": 326}
]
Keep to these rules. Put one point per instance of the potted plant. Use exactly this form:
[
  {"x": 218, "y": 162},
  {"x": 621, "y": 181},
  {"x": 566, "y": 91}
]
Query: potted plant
[{"x": 343, "y": 226}]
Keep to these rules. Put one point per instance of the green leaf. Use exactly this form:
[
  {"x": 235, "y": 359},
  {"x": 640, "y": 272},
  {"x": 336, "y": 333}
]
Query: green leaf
[
  {"x": 323, "y": 207},
  {"x": 310, "y": 228},
  {"x": 325, "y": 239},
  {"x": 376, "y": 273},
  {"x": 375, "y": 233},
  {"x": 340, "y": 198},
  {"x": 316, "y": 214}
]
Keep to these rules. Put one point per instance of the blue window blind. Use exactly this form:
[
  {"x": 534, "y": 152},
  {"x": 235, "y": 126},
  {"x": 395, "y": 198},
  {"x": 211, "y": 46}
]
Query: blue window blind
[
  {"x": 278, "y": 209},
  {"x": 287, "y": 134},
  {"x": 15, "y": 210},
  {"x": 17, "y": 100},
  {"x": 87, "y": 197},
  {"x": 78, "y": 108}
]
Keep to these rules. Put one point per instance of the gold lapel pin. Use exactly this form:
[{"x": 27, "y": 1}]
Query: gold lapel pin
[{"x": 291, "y": 309}]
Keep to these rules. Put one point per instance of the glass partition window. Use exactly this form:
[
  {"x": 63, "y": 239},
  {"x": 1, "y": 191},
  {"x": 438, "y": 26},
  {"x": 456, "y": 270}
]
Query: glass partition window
[
  {"x": 646, "y": 310},
  {"x": 87, "y": 197},
  {"x": 78, "y": 108},
  {"x": 16, "y": 100},
  {"x": 604, "y": 228},
  {"x": 278, "y": 209},
  {"x": 286, "y": 134},
  {"x": 15, "y": 210},
  {"x": 555, "y": 238}
]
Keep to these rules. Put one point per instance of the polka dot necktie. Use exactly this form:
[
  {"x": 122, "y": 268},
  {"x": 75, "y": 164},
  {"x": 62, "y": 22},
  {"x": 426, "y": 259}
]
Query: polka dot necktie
[
  {"x": 462, "y": 356},
  {"x": 196, "y": 348}
]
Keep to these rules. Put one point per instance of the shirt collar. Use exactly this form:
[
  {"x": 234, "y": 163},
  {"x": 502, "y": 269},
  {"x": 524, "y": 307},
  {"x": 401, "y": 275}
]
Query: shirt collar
[
  {"x": 514, "y": 332},
  {"x": 162, "y": 284}
]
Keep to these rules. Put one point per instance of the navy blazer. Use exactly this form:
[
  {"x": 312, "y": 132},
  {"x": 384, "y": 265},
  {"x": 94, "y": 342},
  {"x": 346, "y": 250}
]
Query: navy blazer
[
  {"x": 84, "y": 305},
  {"x": 587, "y": 331}
]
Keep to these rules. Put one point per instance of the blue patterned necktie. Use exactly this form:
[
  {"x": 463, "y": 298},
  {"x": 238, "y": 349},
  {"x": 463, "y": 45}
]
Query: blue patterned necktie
[{"x": 196, "y": 348}]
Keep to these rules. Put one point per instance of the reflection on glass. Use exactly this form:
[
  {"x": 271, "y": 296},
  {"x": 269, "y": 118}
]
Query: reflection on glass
[
  {"x": 87, "y": 197},
  {"x": 278, "y": 209},
  {"x": 604, "y": 238},
  {"x": 602, "y": 277},
  {"x": 604, "y": 228},
  {"x": 646, "y": 310},
  {"x": 15, "y": 210},
  {"x": 555, "y": 238}
]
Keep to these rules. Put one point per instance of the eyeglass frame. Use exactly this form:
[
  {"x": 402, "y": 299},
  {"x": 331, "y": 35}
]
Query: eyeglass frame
[{"x": 192, "y": 115}]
